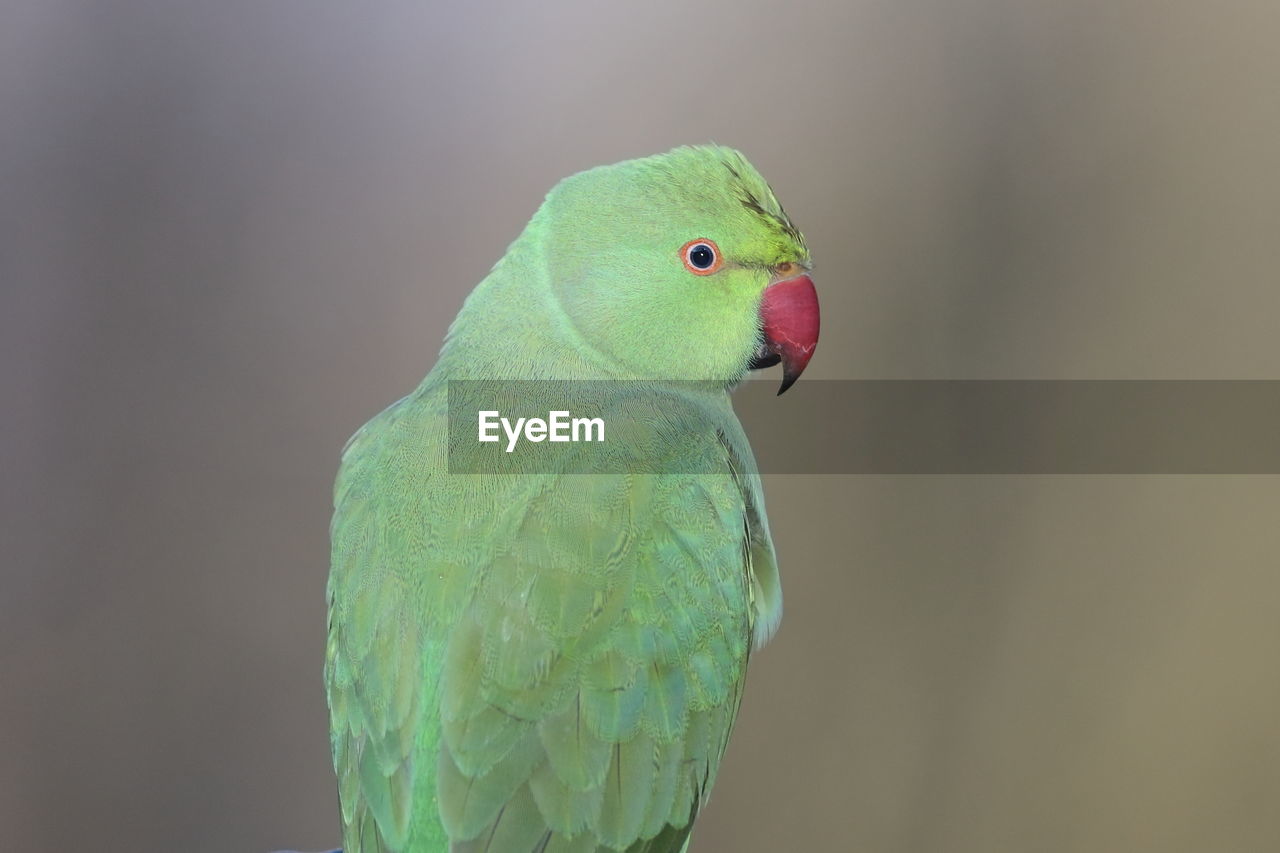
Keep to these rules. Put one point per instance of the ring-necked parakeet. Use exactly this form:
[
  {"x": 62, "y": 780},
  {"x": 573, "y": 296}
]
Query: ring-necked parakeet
[{"x": 538, "y": 662}]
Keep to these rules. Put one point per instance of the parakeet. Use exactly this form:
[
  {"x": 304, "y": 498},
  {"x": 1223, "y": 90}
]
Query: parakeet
[{"x": 549, "y": 661}]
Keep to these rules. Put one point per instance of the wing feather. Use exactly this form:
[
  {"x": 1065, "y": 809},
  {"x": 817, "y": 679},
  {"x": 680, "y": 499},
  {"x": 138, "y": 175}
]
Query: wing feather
[{"x": 543, "y": 663}]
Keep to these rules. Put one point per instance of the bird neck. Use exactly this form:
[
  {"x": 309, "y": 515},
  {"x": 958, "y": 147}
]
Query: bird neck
[{"x": 513, "y": 327}]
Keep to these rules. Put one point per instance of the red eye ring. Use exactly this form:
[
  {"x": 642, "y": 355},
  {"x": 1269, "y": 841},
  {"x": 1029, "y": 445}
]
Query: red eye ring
[{"x": 694, "y": 261}]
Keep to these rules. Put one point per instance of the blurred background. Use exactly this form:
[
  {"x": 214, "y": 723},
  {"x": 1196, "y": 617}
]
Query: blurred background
[{"x": 232, "y": 232}]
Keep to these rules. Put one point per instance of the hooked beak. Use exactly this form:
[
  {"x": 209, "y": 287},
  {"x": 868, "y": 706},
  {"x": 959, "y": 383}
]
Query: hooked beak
[{"x": 789, "y": 319}]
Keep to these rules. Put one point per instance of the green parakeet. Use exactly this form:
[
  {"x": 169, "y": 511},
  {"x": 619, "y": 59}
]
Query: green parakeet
[{"x": 549, "y": 661}]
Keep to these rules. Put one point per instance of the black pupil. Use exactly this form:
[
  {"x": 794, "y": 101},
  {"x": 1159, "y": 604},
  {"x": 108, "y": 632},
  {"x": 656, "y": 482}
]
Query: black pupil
[{"x": 701, "y": 256}]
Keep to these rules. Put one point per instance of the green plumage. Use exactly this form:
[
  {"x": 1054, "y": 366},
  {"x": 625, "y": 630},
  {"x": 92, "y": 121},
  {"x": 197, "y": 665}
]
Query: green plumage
[{"x": 553, "y": 662}]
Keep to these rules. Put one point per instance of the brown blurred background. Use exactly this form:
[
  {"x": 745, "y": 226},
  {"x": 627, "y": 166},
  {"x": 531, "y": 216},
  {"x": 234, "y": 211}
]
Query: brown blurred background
[{"x": 231, "y": 232}]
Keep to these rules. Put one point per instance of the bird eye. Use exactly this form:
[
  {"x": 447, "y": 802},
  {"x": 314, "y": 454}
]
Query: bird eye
[{"x": 701, "y": 256}]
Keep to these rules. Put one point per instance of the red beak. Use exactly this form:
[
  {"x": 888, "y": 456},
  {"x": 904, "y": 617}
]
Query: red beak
[{"x": 789, "y": 315}]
